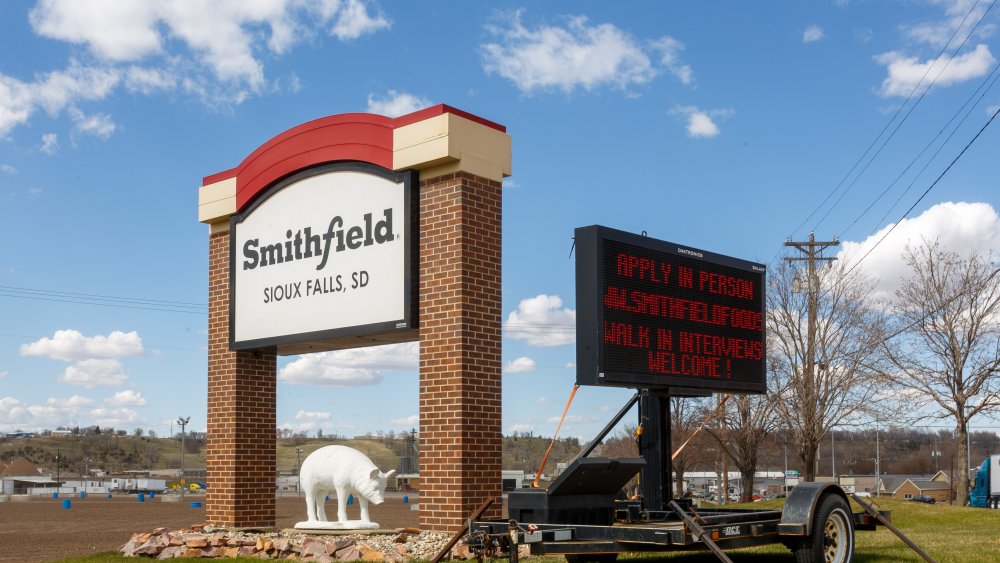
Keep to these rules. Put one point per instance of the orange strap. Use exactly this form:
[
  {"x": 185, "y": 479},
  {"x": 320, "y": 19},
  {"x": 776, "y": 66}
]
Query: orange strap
[
  {"x": 541, "y": 467},
  {"x": 710, "y": 416}
]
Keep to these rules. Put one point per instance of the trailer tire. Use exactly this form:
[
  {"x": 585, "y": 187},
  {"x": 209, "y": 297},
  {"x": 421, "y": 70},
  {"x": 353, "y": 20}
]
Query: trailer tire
[{"x": 832, "y": 537}]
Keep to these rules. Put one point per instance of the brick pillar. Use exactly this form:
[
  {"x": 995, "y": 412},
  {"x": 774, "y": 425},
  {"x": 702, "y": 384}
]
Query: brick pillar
[
  {"x": 460, "y": 317},
  {"x": 241, "y": 413}
]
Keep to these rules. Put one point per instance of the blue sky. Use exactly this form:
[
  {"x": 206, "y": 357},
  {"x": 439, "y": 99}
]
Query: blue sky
[{"x": 719, "y": 125}]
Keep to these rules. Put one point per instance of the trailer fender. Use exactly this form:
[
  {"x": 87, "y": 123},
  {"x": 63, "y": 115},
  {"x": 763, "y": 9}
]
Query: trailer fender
[{"x": 800, "y": 506}]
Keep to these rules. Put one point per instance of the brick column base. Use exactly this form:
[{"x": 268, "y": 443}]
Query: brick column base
[
  {"x": 242, "y": 399},
  {"x": 460, "y": 349}
]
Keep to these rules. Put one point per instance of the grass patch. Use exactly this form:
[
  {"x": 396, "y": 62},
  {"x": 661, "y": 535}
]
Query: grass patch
[{"x": 949, "y": 534}]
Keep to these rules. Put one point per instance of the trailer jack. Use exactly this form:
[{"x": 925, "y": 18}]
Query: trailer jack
[{"x": 885, "y": 522}]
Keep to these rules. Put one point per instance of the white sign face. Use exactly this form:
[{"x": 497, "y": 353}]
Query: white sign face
[{"x": 321, "y": 256}]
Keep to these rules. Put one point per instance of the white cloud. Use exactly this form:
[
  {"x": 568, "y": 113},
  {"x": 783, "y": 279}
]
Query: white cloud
[
  {"x": 960, "y": 16},
  {"x": 211, "y": 50},
  {"x": 8, "y": 169},
  {"x": 15, "y": 414},
  {"x": 992, "y": 110},
  {"x": 71, "y": 345},
  {"x": 99, "y": 125},
  {"x": 113, "y": 30},
  {"x": 353, "y": 21},
  {"x": 542, "y": 321},
  {"x": 570, "y": 365},
  {"x": 701, "y": 123},
  {"x": 149, "y": 80},
  {"x": 94, "y": 373},
  {"x": 73, "y": 403},
  {"x": 520, "y": 427},
  {"x": 411, "y": 420},
  {"x": 572, "y": 419},
  {"x": 3, "y": 374},
  {"x": 312, "y": 416},
  {"x": 670, "y": 49},
  {"x": 127, "y": 398},
  {"x": 523, "y": 364},
  {"x": 115, "y": 418},
  {"x": 351, "y": 368},
  {"x": 812, "y": 34},
  {"x": 50, "y": 143},
  {"x": 542, "y": 400},
  {"x": 577, "y": 55},
  {"x": 961, "y": 227},
  {"x": 906, "y": 72},
  {"x": 395, "y": 104}
]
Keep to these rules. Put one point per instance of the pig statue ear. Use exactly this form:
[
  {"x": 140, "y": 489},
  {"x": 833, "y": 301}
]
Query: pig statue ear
[
  {"x": 390, "y": 473},
  {"x": 374, "y": 473}
]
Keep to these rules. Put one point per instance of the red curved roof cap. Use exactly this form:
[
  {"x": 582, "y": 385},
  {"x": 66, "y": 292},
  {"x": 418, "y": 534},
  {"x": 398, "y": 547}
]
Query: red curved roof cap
[{"x": 348, "y": 136}]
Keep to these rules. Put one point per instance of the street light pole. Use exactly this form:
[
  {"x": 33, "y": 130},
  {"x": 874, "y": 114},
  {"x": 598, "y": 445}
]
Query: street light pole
[
  {"x": 182, "y": 422},
  {"x": 58, "y": 459}
]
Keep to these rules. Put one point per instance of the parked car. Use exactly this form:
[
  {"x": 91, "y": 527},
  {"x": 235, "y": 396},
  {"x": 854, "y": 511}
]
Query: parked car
[{"x": 923, "y": 498}]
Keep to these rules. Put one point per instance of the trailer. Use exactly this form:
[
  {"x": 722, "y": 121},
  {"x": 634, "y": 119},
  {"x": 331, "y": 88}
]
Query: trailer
[
  {"x": 645, "y": 309},
  {"x": 585, "y": 515}
]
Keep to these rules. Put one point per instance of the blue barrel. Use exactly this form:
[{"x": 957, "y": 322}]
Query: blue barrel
[
  {"x": 55, "y": 494},
  {"x": 195, "y": 505},
  {"x": 152, "y": 495},
  {"x": 141, "y": 497},
  {"x": 83, "y": 494},
  {"x": 66, "y": 504},
  {"x": 109, "y": 496},
  {"x": 406, "y": 499},
  {"x": 350, "y": 500}
]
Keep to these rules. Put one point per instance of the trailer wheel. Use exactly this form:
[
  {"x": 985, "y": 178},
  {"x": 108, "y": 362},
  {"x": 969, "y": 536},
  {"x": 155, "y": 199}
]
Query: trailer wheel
[{"x": 832, "y": 536}]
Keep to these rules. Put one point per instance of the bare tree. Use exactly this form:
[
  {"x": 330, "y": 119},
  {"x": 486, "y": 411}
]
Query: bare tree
[
  {"x": 749, "y": 421},
  {"x": 844, "y": 377},
  {"x": 948, "y": 349},
  {"x": 686, "y": 415}
]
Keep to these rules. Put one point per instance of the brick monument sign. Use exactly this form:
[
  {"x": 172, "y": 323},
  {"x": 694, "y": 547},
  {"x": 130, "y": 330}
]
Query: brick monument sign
[{"x": 357, "y": 230}]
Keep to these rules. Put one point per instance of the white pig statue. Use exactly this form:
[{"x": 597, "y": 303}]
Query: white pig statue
[{"x": 348, "y": 472}]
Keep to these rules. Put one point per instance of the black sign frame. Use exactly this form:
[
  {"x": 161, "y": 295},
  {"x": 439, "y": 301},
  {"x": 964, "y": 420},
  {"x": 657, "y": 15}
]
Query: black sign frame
[
  {"x": 356, "y": 336},
  {"x": 593, "y": 365}
]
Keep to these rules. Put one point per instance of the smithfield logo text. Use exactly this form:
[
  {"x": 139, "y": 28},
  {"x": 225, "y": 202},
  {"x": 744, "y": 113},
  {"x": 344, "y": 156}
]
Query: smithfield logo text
[{"x": 303, "y": 244}]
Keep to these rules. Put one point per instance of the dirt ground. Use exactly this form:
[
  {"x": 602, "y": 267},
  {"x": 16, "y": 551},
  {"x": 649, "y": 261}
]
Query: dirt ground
[{"x": 41, "y": 530}]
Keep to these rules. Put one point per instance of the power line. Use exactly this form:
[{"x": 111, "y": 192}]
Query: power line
[
  {"x": 923, "y": 195},
  {"x": 103, "y": 300},
  {"x": 916, "y": 103},
  {"x": 991, "y": 80},
  {"x": 893, "y": 119}
]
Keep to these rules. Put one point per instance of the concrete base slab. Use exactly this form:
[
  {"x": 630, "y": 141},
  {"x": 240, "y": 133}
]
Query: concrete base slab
[
  {"x": 335, "y": 525},
  {"x": 342, "y": 532}
]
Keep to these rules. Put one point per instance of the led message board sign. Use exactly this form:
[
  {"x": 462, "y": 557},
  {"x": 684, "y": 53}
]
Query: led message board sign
[
  {"x": 654, "y": 314},
  {"x": 324, "y": 257}
]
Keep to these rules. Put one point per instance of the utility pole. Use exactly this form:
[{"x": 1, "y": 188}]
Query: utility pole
[
  {"x": 182, "y": 422},
  {"x": 812, "y": 251},
  {"x": 833, "y": 458}
]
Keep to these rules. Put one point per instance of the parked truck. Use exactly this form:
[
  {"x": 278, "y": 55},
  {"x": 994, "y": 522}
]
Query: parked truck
[
  {"x": 985, "y": 491},
  {"x": 138, "y": 485}
]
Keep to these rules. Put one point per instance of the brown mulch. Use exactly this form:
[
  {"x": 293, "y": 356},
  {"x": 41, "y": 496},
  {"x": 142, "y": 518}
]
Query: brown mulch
[{"x": 41, "y": 530}]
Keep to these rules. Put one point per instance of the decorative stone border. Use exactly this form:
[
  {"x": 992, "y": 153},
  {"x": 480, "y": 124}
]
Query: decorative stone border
[{"x": 211, "y": 542}]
